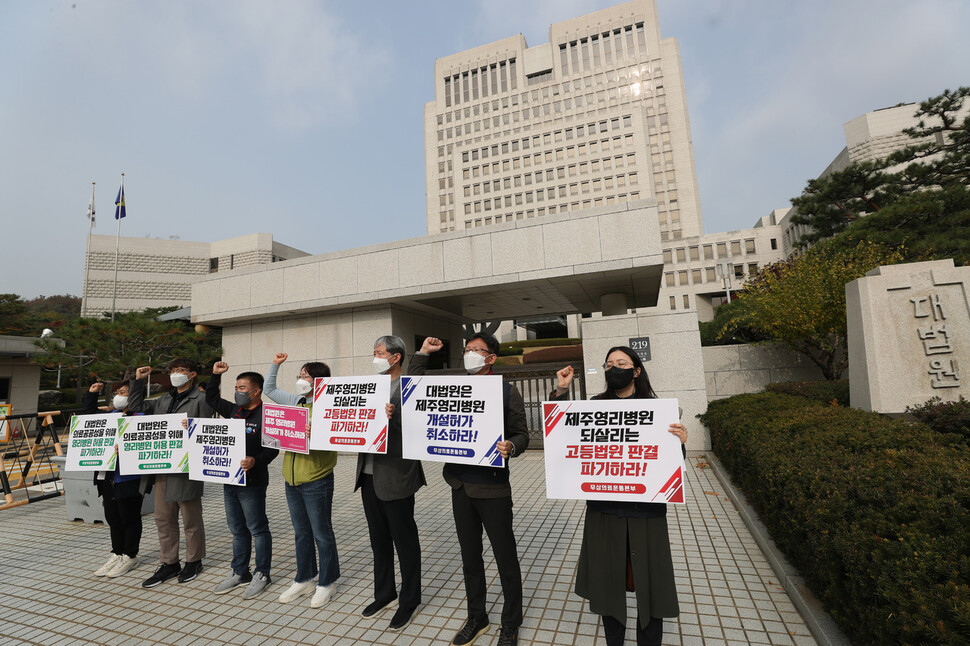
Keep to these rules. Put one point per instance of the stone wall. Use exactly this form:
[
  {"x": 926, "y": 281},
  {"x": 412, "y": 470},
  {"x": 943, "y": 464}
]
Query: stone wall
[{"x": 736, "y": 369}]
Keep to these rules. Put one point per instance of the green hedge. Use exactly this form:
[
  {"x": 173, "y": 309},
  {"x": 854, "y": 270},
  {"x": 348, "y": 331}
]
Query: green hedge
[
  {"x": 945, "y": 417},
  {"x": 555, "y": 355},
  {"x": 823, "y": 391},
  {"x": 872, "y": 511}
]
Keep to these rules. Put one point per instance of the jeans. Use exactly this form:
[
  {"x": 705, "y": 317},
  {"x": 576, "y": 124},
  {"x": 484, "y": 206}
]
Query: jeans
[
  {"x": 311, "y": 504},
  {"x": 246, "y": 517}
]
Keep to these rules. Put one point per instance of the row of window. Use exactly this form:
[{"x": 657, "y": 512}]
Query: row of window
[
  {"x": 551, "y": 209},
  {"x": 538, "y": 195},
  {"x": 706, "y": 275},
  {"x": 726, "y": 249},
  {"x": 480, "y": 82},
  {"x": 549, "y": 175},
  {"x": 613, "y": 124},
  {"x": 635, "y": 75},
  {"x": 585, "y": 54},
  {"x": 593, "y": 101}
]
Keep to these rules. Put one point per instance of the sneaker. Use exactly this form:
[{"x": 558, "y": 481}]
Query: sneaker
[
  {"x": 402, "y": 618},
  {"x": 164, "y": 572},
  {"x": 191, "y": 570},
  {"x": 323, "y": 595},
  {"x": 298, "y": 590},
  {"x": 123, "y": 566},
  {"x": 470, "y": 632},
  {"x": 259, "y": 583},
  {"x": 231, "y": 582},
  {"x": 376, "y": 608},
  {"x": 508, "y": 636},
  {"x": 110, "y": 563}
]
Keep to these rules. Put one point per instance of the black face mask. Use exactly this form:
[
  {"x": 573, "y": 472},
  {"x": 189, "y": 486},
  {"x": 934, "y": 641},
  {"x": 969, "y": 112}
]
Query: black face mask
[{"x": 619, "y": 378}]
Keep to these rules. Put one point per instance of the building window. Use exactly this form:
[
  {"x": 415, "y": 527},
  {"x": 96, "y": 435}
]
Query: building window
[
  {"x": 673, "y": 302},
  {"x": 213, "y": 265}
]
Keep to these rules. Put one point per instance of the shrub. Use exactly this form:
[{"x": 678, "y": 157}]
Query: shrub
[
  {"x": 945, "y": 417},
  {"x": 504, "y": 351},
  {"x": 824, "y": 391},
  {"x": 562, "y": 354},
  {"x": 872, "y": 511}
]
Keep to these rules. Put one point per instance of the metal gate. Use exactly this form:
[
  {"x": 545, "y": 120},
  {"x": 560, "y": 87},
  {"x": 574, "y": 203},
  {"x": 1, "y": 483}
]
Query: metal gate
[{"x": 536, "y": 388}]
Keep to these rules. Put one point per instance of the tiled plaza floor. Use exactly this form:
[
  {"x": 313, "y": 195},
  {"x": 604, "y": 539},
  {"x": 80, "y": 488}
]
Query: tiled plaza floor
[{"x": 49, "y": 596}]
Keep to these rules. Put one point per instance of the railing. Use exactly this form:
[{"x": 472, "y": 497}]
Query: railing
[
  {"x": 31, "y": 441},
  {"x": 535, "y": 386}
]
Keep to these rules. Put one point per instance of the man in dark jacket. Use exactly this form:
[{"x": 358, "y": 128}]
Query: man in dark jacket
[
  {"x": 246, "y": 506},
  {"x": 481, "y": 498},
  {"x": 387, "y": 485},
  {"x": 174, "y": 492}
]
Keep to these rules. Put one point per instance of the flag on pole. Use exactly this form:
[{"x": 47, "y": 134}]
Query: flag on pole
[
  {"x": 120, "y": 203},
  {"x": 91, "y": 206}
]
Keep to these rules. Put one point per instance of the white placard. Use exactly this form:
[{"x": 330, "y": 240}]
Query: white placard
[
  {"x": 453, "y": 419},
  {"x": 348, "y": 414},
  {"x": 613, "y": 449},
  {"x": 91, "y": 444},
  {"x": 153, "y": 444},
  {"x": 216, "y": 449}
]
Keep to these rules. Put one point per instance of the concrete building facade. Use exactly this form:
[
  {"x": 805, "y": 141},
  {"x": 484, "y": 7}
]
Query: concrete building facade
[
  {"x": 159, "y": 273},
  {"x": 595, "y": 117}
]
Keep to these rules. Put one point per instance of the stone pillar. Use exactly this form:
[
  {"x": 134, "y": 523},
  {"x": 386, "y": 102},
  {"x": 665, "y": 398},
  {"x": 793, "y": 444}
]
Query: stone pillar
[{"x": 908, "y": 335}]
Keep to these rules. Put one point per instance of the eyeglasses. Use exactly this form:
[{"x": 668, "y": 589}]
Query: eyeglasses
[
  {"x": 305, "y": 376},
  {"x": 478, "y": 350},
  {"x": 622, "y": 365}
]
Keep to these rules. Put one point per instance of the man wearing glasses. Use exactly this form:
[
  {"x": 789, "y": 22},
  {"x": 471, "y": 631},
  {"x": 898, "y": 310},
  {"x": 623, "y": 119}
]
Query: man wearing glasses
[
  {"x": 174, "y": 493},
  {"x": 481, "y": 498}
]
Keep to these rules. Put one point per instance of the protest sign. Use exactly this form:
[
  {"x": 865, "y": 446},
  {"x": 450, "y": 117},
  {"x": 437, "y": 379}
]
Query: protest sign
[
  {"x": 284, "y": 428},
  {"x": 453, "y": 419},
  {"x": 91, "y": 444},
  {"x": 152, "y": 444},
  {"x": 216, "y": 449},
  {"x": 613, "y": 449},
  {"x": 348, "y": 414}
]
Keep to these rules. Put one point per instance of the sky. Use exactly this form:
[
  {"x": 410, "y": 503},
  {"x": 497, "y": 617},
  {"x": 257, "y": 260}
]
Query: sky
[{"x": 231, "y": 117}]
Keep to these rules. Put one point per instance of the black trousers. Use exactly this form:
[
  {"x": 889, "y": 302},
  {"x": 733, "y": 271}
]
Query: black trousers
[
  {"x": 615, "y": 631},
  {"x": 495, "y": 516},
  {"x": 123, "y": 516},
  {"x": 392, "y": 527}
]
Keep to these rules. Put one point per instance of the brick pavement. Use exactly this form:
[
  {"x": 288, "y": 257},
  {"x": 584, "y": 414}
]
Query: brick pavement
[{"x": 48, "y": 594}]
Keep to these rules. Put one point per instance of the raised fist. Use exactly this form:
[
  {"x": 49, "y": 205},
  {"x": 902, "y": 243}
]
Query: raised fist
[
  {"x": 565, "y": 377},
  {"x": 219, "y": 367},
  {"x": 431, "y": 344},
  {"x": 279, "y": 358},
  {"x": 143, "y": 372}
]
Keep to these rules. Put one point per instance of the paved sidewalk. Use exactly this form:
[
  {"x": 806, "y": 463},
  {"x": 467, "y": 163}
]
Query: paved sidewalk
[{"x": 49, "y": 596}]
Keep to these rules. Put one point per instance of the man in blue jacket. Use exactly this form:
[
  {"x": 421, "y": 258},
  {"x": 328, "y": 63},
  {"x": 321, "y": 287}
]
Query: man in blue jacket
[{"x": 246, "y": 506}]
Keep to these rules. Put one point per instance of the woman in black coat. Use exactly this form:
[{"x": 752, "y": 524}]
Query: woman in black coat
[{"x": 624, "y": 541}]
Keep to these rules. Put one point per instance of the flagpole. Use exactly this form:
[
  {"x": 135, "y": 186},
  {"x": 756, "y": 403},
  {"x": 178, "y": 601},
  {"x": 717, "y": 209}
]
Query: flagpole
[
  {"x": 87, "y": 253},
  {"x": 114, "y": 295}
]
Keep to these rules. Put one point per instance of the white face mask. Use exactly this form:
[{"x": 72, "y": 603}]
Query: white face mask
[
  {"x": 381, "y": 365},
  {"x": 178, "y": 379},
  {"x": 120, "y": 402},
  {"x": 303, "y": 386},
  {"x": 473, "y": 362}
]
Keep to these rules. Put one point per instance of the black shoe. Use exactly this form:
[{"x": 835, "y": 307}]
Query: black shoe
[
  {"x": 508, "y": 636},
  {"x": 191, "y": 570},
  {"x": 470, "y": 632},
  {"x": 401, "y": 618},
  {"x": 164, "y": 572},
  {"x": 375, "y": 608}
]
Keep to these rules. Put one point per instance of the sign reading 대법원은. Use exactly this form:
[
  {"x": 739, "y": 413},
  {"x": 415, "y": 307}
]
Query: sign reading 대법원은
[
  {"x": 453, "y": 419},
  {"x": 217, "y": 447},
  {"x": 284, "y": 428},
  {"x": 91, "y": 445},
  {"x": 348, "y": 414},
  {"x": 153, "y": 444},
  {"x": 613, "y": 450}
]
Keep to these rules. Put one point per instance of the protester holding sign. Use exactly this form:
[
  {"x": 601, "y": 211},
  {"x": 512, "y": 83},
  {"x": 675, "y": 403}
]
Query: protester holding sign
[
  {"x": 309, "y": 496},
  {"x": 625, "y": 544},
  {"x": 481, "y": 498},
  {"x": 387, "y": 486},
  {"x": 174, "y": 493},
  {"x": 119, "y": 494},
  {"x": 246, "y": 506}
]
